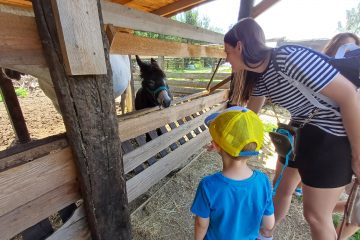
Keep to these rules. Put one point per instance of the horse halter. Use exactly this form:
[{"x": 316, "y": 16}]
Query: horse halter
[{"x": 154, "y": 92}]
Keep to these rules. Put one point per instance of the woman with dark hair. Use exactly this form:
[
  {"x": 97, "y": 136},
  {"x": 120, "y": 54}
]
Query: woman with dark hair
[{"x": 328, "y": 148}]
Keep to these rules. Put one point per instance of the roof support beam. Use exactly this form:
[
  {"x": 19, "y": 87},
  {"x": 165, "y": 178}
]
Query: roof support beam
[
  {"x": 179, "y": 6},
  {"x": 262, "y": 7}
]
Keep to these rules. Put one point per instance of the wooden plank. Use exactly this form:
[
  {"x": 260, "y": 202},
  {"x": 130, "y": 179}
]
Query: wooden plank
[
  {"x": 26, "y": 182},
  {"x": 125, "y": 43},
  {"x": 81, "y": 44},
  {"x": 194, "y": 84},
  {"x": 32, "y": 152},
  {"x": 126, "y": 17},
  {"x": 76, "y": 228},
  {"x": 129, "y": 128},
  {"x": 178, "y": 6},
  {"x": 38, "y": 209},
  {"x": 19, "y": 41},
  {"x": 191, "y": 76},
  {"x": 17, "y": 3},
  {"x": 95, "y": 144},
  {"x": 262, "y": 7},
  {"x": 147, "y": 178},
  {"x": 136, "y": 157}
]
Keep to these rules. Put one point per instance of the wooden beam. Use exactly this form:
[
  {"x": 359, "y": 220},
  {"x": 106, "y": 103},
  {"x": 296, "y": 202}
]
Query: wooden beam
[
  {"x": 38, "y": 209},
  {"x": 151, "y": 175},
  {"x": 139, "y": 155},
  {"x": 126, "y": 17},
  {"x": 129, "y": 128},
  {"x": 178, "y": 6},
  {"x": 74, "y": 228},
  {"x": 13, "y": 109},
  {"x": 129, "y": 44},
  {"x": 17, "y": 3},
  {"x": 196, "y": 76},
  {"x": 19, "y": 41},
  {"x": 23, "y": 153},
  {"x": 27, "y": 182},
  {"x": 81, "y": 56},
  {"x": 262, "y": 7},
  {"x": 87, "y": 106}
]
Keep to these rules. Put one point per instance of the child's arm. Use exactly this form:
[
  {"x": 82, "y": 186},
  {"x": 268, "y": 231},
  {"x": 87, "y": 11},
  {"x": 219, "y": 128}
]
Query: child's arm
[
  {"x": 268, "y": 223},
  {"x": 201, "y": 226}
]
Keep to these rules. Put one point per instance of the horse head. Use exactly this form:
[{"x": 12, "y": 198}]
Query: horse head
[{"x": 154, "y": 85}]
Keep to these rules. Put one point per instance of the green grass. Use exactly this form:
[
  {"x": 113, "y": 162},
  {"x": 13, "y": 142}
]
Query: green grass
[
  {"x": 337, "y": 218},
  {"x": 20, "y": 92},
  {"x": 268, "y": 127}
]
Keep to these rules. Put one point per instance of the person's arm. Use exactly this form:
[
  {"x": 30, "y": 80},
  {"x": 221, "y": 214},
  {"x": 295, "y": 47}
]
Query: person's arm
[
  {"x": 201, "y": 226},
  {"x": 344, "y": 93},
  {"x": 255, "y": 103},
  {"x": 267, "y": 225}
]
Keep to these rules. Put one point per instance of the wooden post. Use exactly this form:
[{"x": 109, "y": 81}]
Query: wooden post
[
  {"x": 13, "y": 108},
  {"x": 245, "y": 8},
  {"x": 88, "y": 110}
]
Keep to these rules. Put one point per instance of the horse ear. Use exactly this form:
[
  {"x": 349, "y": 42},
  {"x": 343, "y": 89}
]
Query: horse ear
[
  {"x": 138, "y": 60},
  {"x": 153, "y": 60}
]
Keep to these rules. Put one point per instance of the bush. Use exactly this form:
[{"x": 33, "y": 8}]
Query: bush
[{"x": 20, "y": 92}]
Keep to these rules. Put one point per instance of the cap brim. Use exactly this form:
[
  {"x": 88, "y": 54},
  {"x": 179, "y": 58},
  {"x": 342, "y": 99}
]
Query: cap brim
[{"x": 212, "y": 116}]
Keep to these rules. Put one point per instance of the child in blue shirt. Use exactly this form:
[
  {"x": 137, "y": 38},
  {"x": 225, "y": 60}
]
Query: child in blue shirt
[{"x": 234, "y": 203}]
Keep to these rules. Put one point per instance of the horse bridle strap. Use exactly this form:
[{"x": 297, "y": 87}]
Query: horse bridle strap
[{"x": 154, "y": 92}]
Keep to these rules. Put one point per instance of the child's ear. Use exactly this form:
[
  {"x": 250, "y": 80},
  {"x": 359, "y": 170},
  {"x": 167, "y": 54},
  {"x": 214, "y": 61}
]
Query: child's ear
[{"x": 215, "y": 146}]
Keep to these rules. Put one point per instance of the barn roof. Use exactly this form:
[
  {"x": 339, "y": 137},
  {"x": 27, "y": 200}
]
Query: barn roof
[{"x": 165, "y": 8}]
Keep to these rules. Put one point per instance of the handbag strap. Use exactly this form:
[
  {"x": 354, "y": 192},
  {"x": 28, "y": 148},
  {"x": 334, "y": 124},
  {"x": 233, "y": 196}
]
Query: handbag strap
[
  {"x": 307, "y": 120},
  {"x": 307, "y": 92}
]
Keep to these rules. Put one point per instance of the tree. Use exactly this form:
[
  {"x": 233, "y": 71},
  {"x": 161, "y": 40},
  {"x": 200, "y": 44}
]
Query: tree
[{"x": 352, "y": 21}]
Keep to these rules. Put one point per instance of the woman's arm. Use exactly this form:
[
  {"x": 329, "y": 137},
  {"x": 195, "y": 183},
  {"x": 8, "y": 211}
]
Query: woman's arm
[
  {"x": 255, "y": 103},
  {"x": 344, "y": 93},
  {"x": 201, "y": 226}
]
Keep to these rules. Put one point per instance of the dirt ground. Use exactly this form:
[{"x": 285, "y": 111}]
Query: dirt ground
[{"x": 165, "y": 215}]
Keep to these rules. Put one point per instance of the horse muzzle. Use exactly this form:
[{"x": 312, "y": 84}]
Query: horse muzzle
[{"x": 164, "y": 99}]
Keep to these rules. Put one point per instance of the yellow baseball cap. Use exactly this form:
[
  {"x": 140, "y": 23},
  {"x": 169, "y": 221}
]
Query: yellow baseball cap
[{"x": 234, "y": 128}]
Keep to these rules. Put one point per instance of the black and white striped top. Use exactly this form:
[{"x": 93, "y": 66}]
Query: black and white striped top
[{"x": 308, "y": 68}]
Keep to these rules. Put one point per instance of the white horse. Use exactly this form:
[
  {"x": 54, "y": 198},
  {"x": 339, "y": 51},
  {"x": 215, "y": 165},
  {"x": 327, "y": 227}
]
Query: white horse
[{"x": 121, "y": 75}]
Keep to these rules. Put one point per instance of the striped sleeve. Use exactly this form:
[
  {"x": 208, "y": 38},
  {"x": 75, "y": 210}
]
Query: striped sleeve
[
  {"x": 258, "y": 90},
  {"x": 307, "y": 67}
]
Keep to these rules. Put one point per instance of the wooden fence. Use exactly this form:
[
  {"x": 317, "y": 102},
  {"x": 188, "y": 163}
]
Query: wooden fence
[
  {"x": 182, "y": 84},
  {"x": 39, "y": 178},
  {"x": 42, "y": 180}
]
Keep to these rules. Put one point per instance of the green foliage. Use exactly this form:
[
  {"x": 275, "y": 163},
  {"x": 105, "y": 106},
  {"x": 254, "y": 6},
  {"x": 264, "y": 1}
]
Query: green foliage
[
  {"x": 20, "y": 92},
  {"x": 337, "y": 218},
  {"x": 352, "y": 21},
  {"x": 268, "y": 127}
]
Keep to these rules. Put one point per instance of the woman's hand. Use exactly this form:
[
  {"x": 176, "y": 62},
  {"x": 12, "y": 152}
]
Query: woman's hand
[{"x": 356, "y": 166}]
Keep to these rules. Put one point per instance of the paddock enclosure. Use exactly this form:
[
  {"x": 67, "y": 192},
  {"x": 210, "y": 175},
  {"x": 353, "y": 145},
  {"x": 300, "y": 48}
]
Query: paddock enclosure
[{"x": 70, "y": 41}]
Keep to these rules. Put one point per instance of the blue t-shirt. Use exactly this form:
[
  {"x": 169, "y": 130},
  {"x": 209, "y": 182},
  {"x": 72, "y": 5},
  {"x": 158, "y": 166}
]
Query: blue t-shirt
[{"x": 235, "y": 207}]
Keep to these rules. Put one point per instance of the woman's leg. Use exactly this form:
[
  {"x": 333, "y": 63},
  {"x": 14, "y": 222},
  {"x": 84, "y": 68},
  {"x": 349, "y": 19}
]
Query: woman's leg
[
  {"x": 319, "y": 204},
  {"x": 288, "y": 183}
]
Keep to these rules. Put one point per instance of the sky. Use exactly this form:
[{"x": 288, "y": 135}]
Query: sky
[{"x": 292, "y": 19}]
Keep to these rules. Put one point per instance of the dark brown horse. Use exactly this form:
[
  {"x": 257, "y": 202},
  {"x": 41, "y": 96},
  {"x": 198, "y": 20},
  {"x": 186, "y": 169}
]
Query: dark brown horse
[{"x": 154, "y": 89}]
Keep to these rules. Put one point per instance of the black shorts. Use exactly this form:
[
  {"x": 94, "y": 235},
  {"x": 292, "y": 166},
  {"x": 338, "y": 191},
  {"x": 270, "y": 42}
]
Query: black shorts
[{"x": 323, "y": 159}]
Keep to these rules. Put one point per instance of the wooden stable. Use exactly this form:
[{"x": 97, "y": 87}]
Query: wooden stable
[{"x": 42, "y": 177}]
